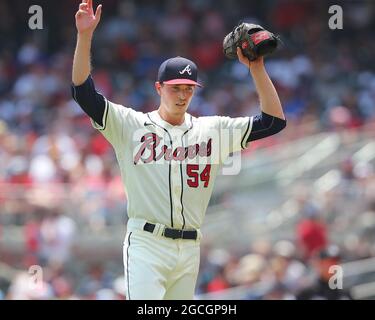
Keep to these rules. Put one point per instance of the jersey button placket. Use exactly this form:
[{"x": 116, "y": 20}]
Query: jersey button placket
[
  {"x": 176, "y": 181},
  {"x": 176, "y": 189}
]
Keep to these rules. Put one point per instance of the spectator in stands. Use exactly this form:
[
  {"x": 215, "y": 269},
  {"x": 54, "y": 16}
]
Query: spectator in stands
[{"x": 311, "y": 231}]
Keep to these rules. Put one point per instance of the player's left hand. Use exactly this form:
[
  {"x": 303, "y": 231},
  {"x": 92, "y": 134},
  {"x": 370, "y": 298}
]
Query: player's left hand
[{"x": 244, "y": 60}]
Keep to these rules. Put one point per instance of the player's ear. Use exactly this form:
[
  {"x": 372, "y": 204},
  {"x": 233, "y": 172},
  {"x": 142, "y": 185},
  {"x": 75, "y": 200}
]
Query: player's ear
[{"x": 157, "y": 87}]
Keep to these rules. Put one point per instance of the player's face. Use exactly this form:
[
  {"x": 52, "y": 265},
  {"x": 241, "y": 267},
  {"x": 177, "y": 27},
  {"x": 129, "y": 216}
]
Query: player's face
[{"x": 175, "y": 98}]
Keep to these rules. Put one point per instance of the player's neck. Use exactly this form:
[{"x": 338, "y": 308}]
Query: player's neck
[{"x": 174, "y": 120}]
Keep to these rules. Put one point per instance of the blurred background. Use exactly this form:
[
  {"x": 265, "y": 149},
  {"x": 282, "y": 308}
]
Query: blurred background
[{"x": 309, "y": 188}]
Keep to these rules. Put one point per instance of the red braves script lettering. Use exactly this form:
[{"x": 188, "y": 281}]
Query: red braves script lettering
[{"x": 150, "y": 141}]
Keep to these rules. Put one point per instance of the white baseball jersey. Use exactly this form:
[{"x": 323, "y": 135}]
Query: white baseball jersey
[{"x": 169, "y": 171}]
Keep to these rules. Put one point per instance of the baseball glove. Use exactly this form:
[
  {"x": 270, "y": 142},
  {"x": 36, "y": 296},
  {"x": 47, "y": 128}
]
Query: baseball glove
[{"x": 253, "y": 40}]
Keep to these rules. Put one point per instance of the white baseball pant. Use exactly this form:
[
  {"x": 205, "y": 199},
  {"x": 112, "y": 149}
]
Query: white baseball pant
[{"x": 157, "y": 267}]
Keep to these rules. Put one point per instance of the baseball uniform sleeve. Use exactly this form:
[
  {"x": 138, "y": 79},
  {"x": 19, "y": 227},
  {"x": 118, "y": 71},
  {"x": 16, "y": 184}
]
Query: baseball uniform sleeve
[
  {"x": 234, "y": 133},
  {"x": 265, "y": 125},
  {"x": 91, "y": 101},
  {"x": 117, "y": 124},
  {"x": 114, "y": 121}
]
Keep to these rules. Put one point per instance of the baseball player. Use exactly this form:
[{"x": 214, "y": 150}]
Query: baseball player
[{"x": 168, "y": 161}]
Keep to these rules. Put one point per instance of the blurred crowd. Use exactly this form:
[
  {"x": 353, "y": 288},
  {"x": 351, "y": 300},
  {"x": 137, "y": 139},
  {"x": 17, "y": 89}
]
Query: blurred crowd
[
  {"x": 58, "y": 175},
  {"x": 302, "y": 266}
]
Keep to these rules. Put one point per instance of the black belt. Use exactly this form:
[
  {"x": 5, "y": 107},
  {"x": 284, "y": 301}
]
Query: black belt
[{"x": 173, "y": 233}]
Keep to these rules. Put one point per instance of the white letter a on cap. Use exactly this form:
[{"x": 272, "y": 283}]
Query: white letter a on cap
[{"x": 187, "y": 69}]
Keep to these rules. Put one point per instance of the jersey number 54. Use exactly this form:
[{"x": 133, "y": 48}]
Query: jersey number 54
[{"x": 192, "y": 170}]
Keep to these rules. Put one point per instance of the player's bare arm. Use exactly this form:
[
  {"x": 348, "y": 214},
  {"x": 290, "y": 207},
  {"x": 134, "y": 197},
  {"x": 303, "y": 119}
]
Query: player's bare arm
[
  {"x": 269, "y": 99},
  {"x": 86, "y": 23},
  {"x": 272, "y": 119},
  {"x": 83, "y": 88}
]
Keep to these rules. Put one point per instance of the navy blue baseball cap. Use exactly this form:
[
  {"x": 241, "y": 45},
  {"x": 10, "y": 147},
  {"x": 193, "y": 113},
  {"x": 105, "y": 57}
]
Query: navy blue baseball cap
[{"x": 178, "y": 70}]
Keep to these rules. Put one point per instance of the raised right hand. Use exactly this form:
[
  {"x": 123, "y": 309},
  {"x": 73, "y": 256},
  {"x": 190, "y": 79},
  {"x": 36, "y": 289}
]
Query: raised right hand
[{"x": 86, "y": 21}]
